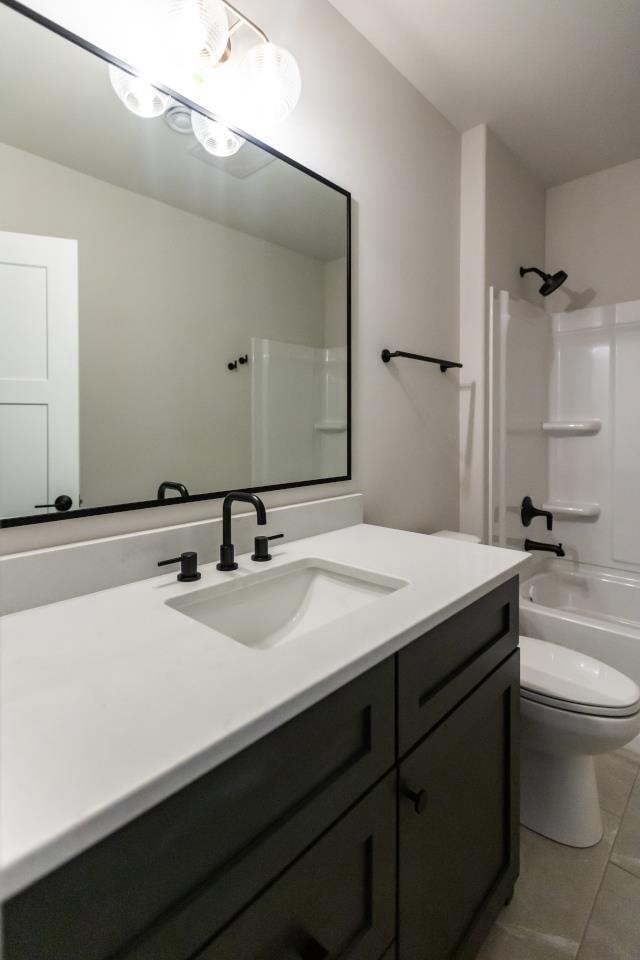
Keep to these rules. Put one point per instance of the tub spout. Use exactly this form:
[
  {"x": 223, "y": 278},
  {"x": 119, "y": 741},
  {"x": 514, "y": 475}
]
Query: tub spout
[{"x": 544, "y": 547}]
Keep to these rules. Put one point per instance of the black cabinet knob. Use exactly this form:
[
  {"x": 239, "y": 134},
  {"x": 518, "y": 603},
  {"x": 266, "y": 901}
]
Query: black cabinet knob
[
  {"x": 61, "y": 503},
  {"x": 419, "y": 798}
]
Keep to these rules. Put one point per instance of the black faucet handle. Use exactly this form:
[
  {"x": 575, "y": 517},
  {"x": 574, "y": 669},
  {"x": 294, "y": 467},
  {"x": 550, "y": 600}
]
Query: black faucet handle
[
  {"x": 528, "y": 511},
  {"x": 261, "y": 547},
  {"x": 188, "y": 566}
]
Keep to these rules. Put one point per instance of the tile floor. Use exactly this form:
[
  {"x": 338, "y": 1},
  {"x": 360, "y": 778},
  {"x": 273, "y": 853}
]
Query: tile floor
[{"x": 582, "y": 904}]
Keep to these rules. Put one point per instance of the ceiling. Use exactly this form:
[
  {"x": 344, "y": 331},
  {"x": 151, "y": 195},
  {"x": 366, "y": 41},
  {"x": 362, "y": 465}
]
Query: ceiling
[
  {"x": 62, "y": 108},
  {"x": 557, "y": 80}
]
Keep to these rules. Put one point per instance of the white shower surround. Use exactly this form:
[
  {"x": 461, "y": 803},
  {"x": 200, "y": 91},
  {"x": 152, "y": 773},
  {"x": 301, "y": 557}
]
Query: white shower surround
[
  {"x": 578, "y": 371},
  {"x": 576, "y": 367},
  {"x": 298, "y": 411},
  {"x": 594, "y": 375}
]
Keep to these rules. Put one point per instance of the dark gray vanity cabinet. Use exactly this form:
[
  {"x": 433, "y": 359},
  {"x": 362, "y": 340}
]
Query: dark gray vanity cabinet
[
  {"x": 458, "y": 823},
  {"x": 162, "y": 886},
  {"x": 337, "y": 900},
  {"x": 380, "y": 824}
]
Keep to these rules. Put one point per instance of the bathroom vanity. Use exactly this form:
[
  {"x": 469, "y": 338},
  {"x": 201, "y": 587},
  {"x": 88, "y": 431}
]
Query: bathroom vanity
[{"x": 351, "y": 791}]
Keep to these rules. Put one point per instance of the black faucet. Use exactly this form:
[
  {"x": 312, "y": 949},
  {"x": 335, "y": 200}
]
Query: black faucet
[
  {"x": 227, "y": 552},
  {"x": 528, "y": 512},
  {"x": 172, "y": 485},
  {"x": 545, "y": 547}
]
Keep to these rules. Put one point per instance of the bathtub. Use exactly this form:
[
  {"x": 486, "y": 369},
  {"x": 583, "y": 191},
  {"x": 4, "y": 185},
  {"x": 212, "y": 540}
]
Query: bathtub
[{"x": 590, "y": 609}]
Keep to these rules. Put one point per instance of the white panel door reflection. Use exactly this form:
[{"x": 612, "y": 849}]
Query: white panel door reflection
[{"x": 39, "y": 435}]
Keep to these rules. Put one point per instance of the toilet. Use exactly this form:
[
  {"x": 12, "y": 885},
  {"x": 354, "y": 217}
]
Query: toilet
[
  {"x": 455, "y": 535},
  {"x": 572, "y": 707}
]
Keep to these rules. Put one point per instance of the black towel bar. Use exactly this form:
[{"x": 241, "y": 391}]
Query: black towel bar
[{"x": 443, "y": 364}]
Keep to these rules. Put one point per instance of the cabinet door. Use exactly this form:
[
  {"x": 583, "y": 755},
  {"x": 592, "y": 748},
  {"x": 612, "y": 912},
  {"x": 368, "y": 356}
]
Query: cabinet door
[
  {"x": 458, "y": 823},
  {"x": 336, "y": 902},
  {"x": 438, "y": 670},
  {"x": 164, "y": 885}
]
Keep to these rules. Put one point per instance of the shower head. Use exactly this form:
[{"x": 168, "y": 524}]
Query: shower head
[
  {"x": 550, "y": 282},
  {"x": 553, "y": 282}
]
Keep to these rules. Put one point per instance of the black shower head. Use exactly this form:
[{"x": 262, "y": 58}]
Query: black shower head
[{"x": 551, "y": 282}]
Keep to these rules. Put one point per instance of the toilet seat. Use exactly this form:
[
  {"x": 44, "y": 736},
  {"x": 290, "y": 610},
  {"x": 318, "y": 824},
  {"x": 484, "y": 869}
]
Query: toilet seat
[
  {"x": 567, "y": 680},
  {"x": 570, "y": 706}
]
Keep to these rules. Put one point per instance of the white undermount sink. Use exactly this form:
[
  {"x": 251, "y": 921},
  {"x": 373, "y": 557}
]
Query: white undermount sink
[{"x": 265, "y": 609}]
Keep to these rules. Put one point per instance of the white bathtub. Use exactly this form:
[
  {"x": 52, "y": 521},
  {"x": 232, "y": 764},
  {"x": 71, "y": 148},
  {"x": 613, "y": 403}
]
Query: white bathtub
[{"x": 590, "y": 609}]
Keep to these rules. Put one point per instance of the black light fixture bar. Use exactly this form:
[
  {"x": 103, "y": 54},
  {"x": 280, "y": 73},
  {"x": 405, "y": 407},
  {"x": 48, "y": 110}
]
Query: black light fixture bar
[{"x": 443, "y": 364}]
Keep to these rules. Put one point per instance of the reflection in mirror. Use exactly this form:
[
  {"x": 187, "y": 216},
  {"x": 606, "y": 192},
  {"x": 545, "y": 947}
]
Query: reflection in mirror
[{"x": 167, "y": 315}]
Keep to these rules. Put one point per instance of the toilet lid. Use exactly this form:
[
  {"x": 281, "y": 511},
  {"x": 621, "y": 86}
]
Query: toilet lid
[{"x": 575, "y": 681}]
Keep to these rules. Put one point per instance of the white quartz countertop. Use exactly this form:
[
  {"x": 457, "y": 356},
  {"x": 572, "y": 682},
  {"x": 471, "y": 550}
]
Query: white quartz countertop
[{"x": 113, "y": 701}]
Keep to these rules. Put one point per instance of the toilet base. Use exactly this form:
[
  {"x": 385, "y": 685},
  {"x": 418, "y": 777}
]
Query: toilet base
[{"x": 559, "y": 797}]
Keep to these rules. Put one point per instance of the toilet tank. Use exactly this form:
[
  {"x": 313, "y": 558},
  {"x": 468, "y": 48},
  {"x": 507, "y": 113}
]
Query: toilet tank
[{"x": 455, "y": 535}]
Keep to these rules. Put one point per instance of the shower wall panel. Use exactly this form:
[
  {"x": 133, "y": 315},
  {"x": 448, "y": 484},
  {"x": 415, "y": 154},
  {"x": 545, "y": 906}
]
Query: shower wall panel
[{"x": 595, "y": 375}]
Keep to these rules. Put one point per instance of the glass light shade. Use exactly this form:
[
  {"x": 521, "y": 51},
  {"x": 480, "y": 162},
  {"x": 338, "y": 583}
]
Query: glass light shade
[
  {"x": 137, "y": 95},
  {"x": 215, "y": 137},
  {"x": 273, "y": 83},
  {"x": 222, "y": 90},
  {"x": 197, "y": 30}
]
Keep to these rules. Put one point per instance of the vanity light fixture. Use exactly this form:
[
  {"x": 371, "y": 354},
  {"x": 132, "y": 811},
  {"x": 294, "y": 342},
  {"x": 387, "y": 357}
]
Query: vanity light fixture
[
  {"x": 274, "y": 82},
  {"x": 178, "y": 118},
  {"x": 219, "y": 57},
  {"x": 137, "y": 95},
  {"x": 197, "y": 31},
  {"x": 215, "y": 137}
]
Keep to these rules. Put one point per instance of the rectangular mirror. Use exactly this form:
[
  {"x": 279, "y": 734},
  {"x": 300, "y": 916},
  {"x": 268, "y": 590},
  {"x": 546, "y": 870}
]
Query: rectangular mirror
[{"x": 166, "y": 315}]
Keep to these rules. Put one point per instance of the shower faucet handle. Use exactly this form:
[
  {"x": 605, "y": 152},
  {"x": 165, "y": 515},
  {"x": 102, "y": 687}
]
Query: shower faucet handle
[{"x": 528, "y": 512}]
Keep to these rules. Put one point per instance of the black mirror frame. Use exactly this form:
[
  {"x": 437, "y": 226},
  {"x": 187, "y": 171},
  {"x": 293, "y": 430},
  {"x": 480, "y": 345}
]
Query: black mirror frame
[{"x": 145, "y": 504}]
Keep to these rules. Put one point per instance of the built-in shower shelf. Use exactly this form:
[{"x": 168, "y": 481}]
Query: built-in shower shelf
[
  {"x": 331, "y": 426},
  {"x": 564, "y": 510},
  {"x": 572, "y": 428}
]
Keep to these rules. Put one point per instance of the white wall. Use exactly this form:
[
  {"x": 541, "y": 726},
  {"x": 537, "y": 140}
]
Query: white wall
[
  {"x": 593, "y": 232},
  {"x": 365, "y": 127},
  {"x": 502, "y": 226},
  {"x": 515, "y": 222},
  {"x": 165, "y": 300}
]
